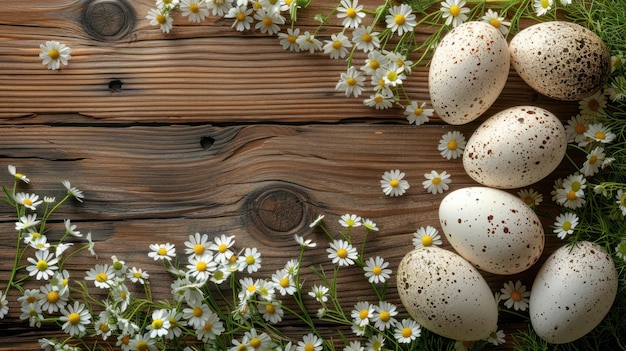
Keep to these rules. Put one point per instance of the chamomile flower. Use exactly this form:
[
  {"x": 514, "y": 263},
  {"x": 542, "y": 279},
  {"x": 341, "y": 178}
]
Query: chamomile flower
[
  {"x": 594, "y": 162},
  {"x": 310, "y": 342},
  {"x": 219, "y": 7},
  {"x": 593, "y": 106},
  {"x": 376, "y": 342},
  {"x": 365, "y": 39},
  {"x": 401, "y": 19},
  {"x": 451, "y": 145},
  {"x": 565, "y": 224},
  {"x": 494, "y": 18},
  {"x": 362, "y": 313},
  {"x": 212, "y": 328},
  {"x": 401, "y": 60},
  {"x": 376, "y": 270},
  {"x": 617, "y": 61},
  {"x": 30, "y": 201},
  {"x": 337, "y": 46},
  {"x": 370, "y": 225},
  {"x": 177, "y": 322},
  {"x": 4, "y": 305},
  {"x": 319, "y": 293},
  {"x": 242, "y": 17},
  {"x": 374, "y": 63},
  {"x": 70, "y": 229},
  {"x": 407, "y": 331},
  {"x": 271, "y": 311},
  {"x": 268, "y": 21},
  {"x": 43, "y": 265},
  {"x": 530, "y": 197},
  {"x": 143, "y": 342},
  {"x": 317, "y": 221},
  {"x": 288, "y": 40},
  {"x": 304, "y": 243},
  {"x": 351, "y": 82},
  {"x": 436, "y": 183},
  {"x": 221, "y": 245},
  {"x": 308, "y": 42},
  {"x": 197, "y": 314},
  {"x": 351, "y": 13},
  {"x": 384, "y": 314},
  {"x": 416, "y": 113},
  {"x": 284, "y": 282},
  {"x": 32, "y": 312},
  {"x": 250, "y": 260},
  {"x": 54, "y": 54},
  {"x": 570, "y": 193},
  {"x": 515, "y": 295},
  {"x": 342, "y": 253},
  {"x": 166, "y": 4},
  {"x": 543, "y": 6},
  {"x": 17, "y": 176},
  {"x": 621, "y": 201},
  {"x": 121, "y": 296},
  {"x": 162, "y": 251},
  {"x": 195, "y": 10},
  {"x": 197, "y": 244},
  {"x": 576, "y": 128},
  {"x": 354, "y": 346},
  {"x": 103, "y": 276},
  {"x": 617, "y": 89},
  {"x": 350, "y": 221},
  {"x": 54, "y": 299},
  {"x": 73, "y": 191},
  {"x": 393, "y": 75},
  {"x": 379, "y": 101},
  {"x": 496, "y": 338},
  {"x": 453, "y": 12},
  {"x": 201, "y": 267},
  {"x": 137, "y": 275},
  {"x": 27, "y": 221},
  {"x": 160, "y": 18},
  {"x": 393, "y": 183},
  {"x": 426, "y": 236},
  {"x": 75, "y": 319},
  {"x": 600, "y": 133},
  {"x": 620, "y": 249}
]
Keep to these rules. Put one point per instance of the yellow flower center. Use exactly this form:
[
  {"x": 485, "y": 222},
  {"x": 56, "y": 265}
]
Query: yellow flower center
[
  {"x": 240, "y": 16},
  {"x": 427, "y": 240},
  {"x": 495, "y": 22},
  {"x": 201, "y": 266},
  {"x": 366, "y": 37},
  {"x": 384, "y": 316},
  {"x": 126, "y": 340},
  {"x": 576, "y": 186},
  {"x": 394, "y": 183},
  {"x": 392, "y": 76},
  {"x": 378, "y": 99},
  {"x": 374, "y": 64},
  {"x": 222, "y": 248},
  {"x": 198, "y": 249},
  {"x": 309, "y": 347},
  {"x": 593, "y": 159},
  {"x": 622, "y": 200},
  {"x": 269, "y": 308},
  {"x": 197, "y": 312},
  {"x": 452, "y": 145},
  {"x": 73, "y": 318},
  {"x": 418, "y": 111},
  {"x": 101, "y": 277},
  {"x": 406, "y": 332},
  {"x": 593, "y": 105},
  {"x": 516, "y": 296},
  {"x": 242, "y": 347},
  {"x": 267, "y": 21},
  {"x": 580, "y": 128},
  {"x": 218, "y": 275},
  {"x": 377, "y": 270},
  {"x": 52, "y": 296},
  {"x": 36, "y": 235},
  {"x": 250, "y": 260},
  {"x": 455, "y": 10},
  {"x": 162, "y": 251},
  {"x": 528, "y": 200},
  {"x": 123, "y": 294},
  {"x": 157, "y": 324},
  {"x": 436, "y": 181},
  {"x": 255, "y": 342},
  {"x": 27, "y": 202},
  {"x": 342, "y": 253},
  {"x": 161, "y": 19},
  {"x": 545, "y": 3},
  {"x": 257, "y": 5},
  {"x": 251, "y": 288},
  {"x": 54, "y": 54},
  {"x": 351, "y": 12},
  {"x": 599, "y": 135},
  {"x": 104, "y": 328},
  {"x": 137, "y": 274},
  {"x": 337, "y": 45},
  {"x": 566, "y": 226},
  {"x": 284, "y": 282},
  {"x": 142, "y": 346},
  {"x": 363, "y": 314},
  {"x": 571, "y": 195},
  {"x": 42, "y": 265},
  {"x": 399, "y": 19},
  {"x": 292, "y": 38},
  {"x": 351, "y": 81},
  {"x": 194, "y": 8}
]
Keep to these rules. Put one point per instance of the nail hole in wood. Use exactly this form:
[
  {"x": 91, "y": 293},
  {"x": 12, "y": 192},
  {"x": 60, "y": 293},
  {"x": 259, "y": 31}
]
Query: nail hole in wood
[
  {"x": 115, "y": 85},
  {"x": 108, "y": 19},
  {"x": 207, "y": 142}
]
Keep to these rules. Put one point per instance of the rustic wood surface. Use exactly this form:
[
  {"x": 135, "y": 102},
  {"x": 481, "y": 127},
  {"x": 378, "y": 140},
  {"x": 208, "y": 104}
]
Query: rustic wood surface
[{"x": 213, "y": 131}]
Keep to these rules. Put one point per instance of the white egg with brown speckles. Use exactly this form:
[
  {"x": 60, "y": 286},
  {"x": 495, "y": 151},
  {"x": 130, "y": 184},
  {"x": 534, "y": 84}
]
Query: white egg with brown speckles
[
  {"x": 468, "y": 71},
  {"x": 572, "y": 292},
  {"x": 515, "y": 148},
  {"x": 446, "y": 295},
  {"x": 492, "y": 229},
  {"x": 561, "y": 60}
]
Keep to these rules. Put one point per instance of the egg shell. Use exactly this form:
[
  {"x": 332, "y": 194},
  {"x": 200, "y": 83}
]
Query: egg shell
[
  {"x": 572, "y": 292},
  {"x": 492, "y": 229},
  {"x": 446, "y": 295},
  {"x": 561, "y": 60},
  {"x": 468, "y": 71},
  {"x": 515, "y": 148}
]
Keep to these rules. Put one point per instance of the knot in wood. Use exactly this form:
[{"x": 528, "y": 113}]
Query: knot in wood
[
  {"x": 279, "y": 210},
  {"x": 108, "y": 19}
]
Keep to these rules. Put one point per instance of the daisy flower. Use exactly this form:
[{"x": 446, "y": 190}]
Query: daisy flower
[
  {"x": 304, "y": 243},
  {"x": 375, "y": 62},
  {"x": 212, "y": 328},
  {"x": 351, "y": 82},
  {"x": 137, "y": 275},
  {"x": 121, "y": 296},
  {"x": 451, "y": 145},
  {"x": 27, "y": 222},
  {"x": 337, "y": 46},
  {"x": 160, "y": 18},
  {"x": 250, "y": 260},
  {"x": 384, "y": 314},
  {"x": 166, "y": 4},
  {"x": 621, "y": 201},
  {"x": 453, "y": 12},
  {"x": 620, "y": 249},
  {"x": 351, "y": 12},
  {"x": 221, "y": 245},
  {"x": 70, "y": 229},
  {"x": 600, "y": 133},
  {"x": 376, "y": 270},
  {"x": 350, "y": 220},
  {"x": 342, "y": 253},
  {"x": 426, "y": 236},
  {"x": 143, "y": 342},
  {"x": 393, "y": 183},
  {"x": 401, "y": 19},
  {"x": 32, "y": 312},
  {"x": 201, "y": 267},
  {"x": 102, "y": 325},
  {"x": 162, "y": 251},
  {"x": 362, "y": 313},
  {"x": 394, "y": 75},
  {"x": 176, "y": 323},
  {"x": 493, "y": 18},
  {"x": 515, "y": 295},
  {"x": 197, "y": 314},
  {"x": 53, "y": 54},
  {"x": 400, "y": 59},
  {"x": 617, "y": 61},
  {"x": 617, "y": 89},
  {"x": 197, "y": 244},
  {"x": 416, "y": 113},
  {"x": 496, "y": 338},
  {"x": 576, "y": 128},
  {"x": 288, "y": 40},
  {"x": 436, "y": 183},
  {"x": 310, "y": 342},
  {"x": 77, "y": 194},
  {"x": 565, "y": 224},
  {"x": 365, "y": 39},
  {"x": 242, "y": 17},
  {"x": 43, "y": 265},
  {"x": 103, "y": 276},
  {"x": 319, "y": 293},
  {"x": 530, "y": 197},
  {"x": 376, "y": 342},
  {"x": 284, "y": 282},
  {"x": 30, "y": 201},
  {"x": 272, "y": 312},
  {"x": 593, "y": 163},
  {"x": 160, "y": 323},
  {"x": 195, "y": 10},
  {"x": 220, "y": 7},
  {"x": 308, "y": 42},
  {"x": 317, "y": 221},
  {"x": 593, "y": 106},
  {"x": 407, "y": 331},
  {"x": 370, "y": 225},
  {"x": 543, "y": 6},
  {"x": 17, "y": 176},
  {"x": 354, "y": 346},
  {"x": 379, "y": 101},
  {"x": 268, "y": 21},
  {"x": 76, "y": 317},
  {"x": 571, "y": 193},
  {"x": 4, "y": 306}
]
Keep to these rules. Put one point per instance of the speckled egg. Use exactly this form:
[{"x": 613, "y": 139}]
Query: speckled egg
[
  {"x": 468, "y": 71},
  {"x": 446, "y": 295},
  {"x": 515, "y": 148},
  {"x": 561, "y": 60},
  {"x": 572, "y": 292},
  {"x": 492, "y": 229}
]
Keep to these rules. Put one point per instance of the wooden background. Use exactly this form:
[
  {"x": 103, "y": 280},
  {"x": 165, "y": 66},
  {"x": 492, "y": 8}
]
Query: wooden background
[{"x": 213, "y": 131}]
